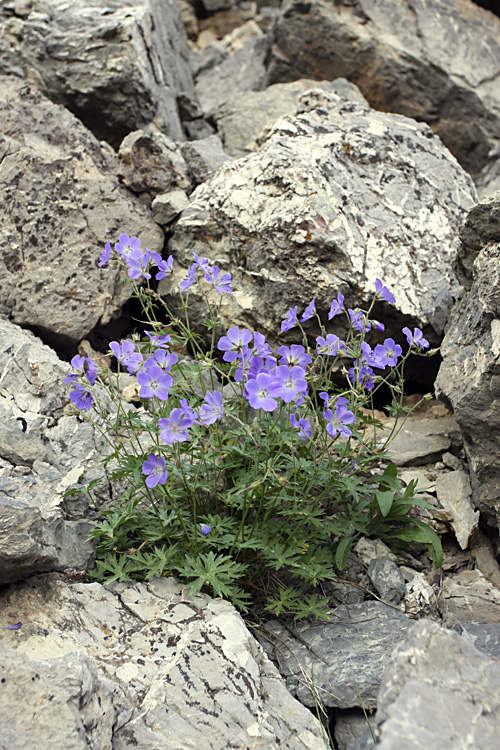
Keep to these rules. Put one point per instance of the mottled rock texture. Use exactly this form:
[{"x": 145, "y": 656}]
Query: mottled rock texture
[
  {"x": 433, "y": 60},
  {"x": 117, "y": 66},
  {"x": 146, "y": 667},
  {"x": 60, "y": 200},
  {"x": 469, "y": 377},
  {"x": 336, "y": 197},
  {"x": 43, "y": 452}
]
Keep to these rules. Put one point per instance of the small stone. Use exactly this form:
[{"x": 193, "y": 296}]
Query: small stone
[{"x": 387, "y": 580}]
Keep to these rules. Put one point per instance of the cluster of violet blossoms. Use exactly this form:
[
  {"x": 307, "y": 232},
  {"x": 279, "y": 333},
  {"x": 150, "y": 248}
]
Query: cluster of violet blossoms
[{"x": 266, "y": 381}]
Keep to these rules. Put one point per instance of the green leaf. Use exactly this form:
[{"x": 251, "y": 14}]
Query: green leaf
[
  {"x": 384, "y": 500},
  {"x": 342, "y": 551}
]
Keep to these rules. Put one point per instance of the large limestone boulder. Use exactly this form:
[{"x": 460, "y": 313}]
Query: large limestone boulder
[
  {"x": 60, "y": 201},
  {"x": 144, "y": 666},
  {"x": 469, "y": 377},
  {"x": 434, "y": 60},
  {"x": 118, "y": 65},
  {"x": 336, "y": 197}
]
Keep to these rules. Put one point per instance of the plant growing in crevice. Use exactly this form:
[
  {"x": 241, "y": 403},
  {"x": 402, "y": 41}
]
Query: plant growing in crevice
[{"x": 246, "y": 473}]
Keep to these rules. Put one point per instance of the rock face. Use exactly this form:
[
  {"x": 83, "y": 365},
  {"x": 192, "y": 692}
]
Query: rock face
[
  {"x": 357, "y": 641},
  {"x": 425, "y": 700},
  {"x": 470, "y": 374},
  {"x": 60, "y": 202},
  {"x": 336, "y": 197},
  {"x": 246, "y": 115},
  {"x": 144, "y": 667},
  {"x": 117, "y": 66},
  {"x": 395, "y": 53},
  {"x": 42, "y": 453}
]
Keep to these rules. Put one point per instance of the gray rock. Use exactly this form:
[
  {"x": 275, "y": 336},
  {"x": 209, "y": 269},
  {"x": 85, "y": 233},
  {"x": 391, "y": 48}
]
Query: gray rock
[
  {"x": 118, "y": 66},
  {"x": 222, "y": 73},
  {"x": 147, "y": 666},
  {"x": 204, "y": 157},
  {"x": 387, "y": 580},
  {"x": 395, "y": 53},
  {"x": 453, "y": 491},
  {"x": 167, "y": 206},
  {"x": 44, "y": 453},
  {"x": 469, "y": 597},
  {"x": 246, "y": 114},
  {"x": 438, "y": 691},
  {"x": 345, "y": 657},
  {"x": 62, "y": 697},
  {"x": 483, "y": 636},
  {"x": 469, "y": 377},
  {"x": 488, "y": 181},
  {"x": 151, "y": 163},
  {"x": 420, "y": 440},
  {"x": 319, "y": 210},
  {"x": 352, "y": 731},
  {"x": 49, "y": 278}
]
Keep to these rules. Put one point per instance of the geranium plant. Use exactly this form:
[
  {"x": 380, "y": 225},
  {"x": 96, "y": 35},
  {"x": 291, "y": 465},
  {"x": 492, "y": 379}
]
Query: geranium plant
[{"x": 246, "y": 472}]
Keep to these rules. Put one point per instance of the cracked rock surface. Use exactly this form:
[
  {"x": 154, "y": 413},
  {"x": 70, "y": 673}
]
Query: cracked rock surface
[{"x": 143, "y": 665}]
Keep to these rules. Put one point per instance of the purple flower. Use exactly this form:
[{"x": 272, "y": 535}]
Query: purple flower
[
  {"x": 337, "y": 423},
  {"x": 190, "y": 278},
  {"x": 126, "y": 354},
  {"x": 371, "y": 358},
  {"x": 359, "y": 321},
  {"x": 212, "y": 410},
  {"x": 165, "y": 267},
  {"x": 81, "y": 397},
  {"x": 294, "y": 355},
  {"x": 260, "y": 391},
  {"x": 234, "y": 342},
  {"x": 174, "y": 429},
  {"x": 309, "y": 311},
  {"x": 331, "y": 345},
  {"x": 220, "y": 281},
  {"x": 189, "y": 412},
  {"x": 154, "y": 383},
  {"x": 138, "y": 262},
  {"x": 382, "y": 292},
  {"x": 388, "y": 352},
  {"x": 202, "y": 263},
  {"x": 290, "y": 319},
  {"x": 416, "y": 338},
  {"x": 336, "y": 306},
  {"x": 261, "y": 364},
  {"x": 127, "y": 245},
  {"x": 163, "y": 359},
  {"x": 16, "y": 626},
  {"x": 290, "y": 382},
  {"x": 154, "y": 470},
  {"x": 363, "y": 376},
  {"x": 302, "y": 425},
  {"x": 205, "y": 529},
  {"x": 160, "y": 341},
  {"x": 78, "y": 363},
  {"x": 260, "y": 347},
  {"x": 105, "y": 255}
]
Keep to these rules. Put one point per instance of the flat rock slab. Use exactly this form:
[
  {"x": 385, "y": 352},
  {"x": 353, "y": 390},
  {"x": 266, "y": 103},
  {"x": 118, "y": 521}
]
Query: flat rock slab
[
  {"x": 421, "y": 440},
  {"x": 469, "y": 597},
  {"x": 438, "y": 692},
  {"x": 146, "y": 666},
  {"x": 336, "y": 197},
  {"x": 345, "y": 658}
]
